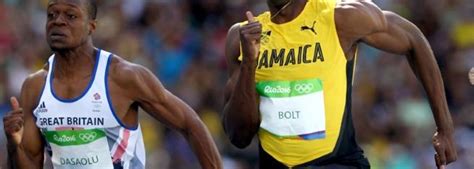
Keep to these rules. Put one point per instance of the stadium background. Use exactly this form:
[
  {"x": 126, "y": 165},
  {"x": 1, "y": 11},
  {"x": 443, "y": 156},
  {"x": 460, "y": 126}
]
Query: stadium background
[{"x": 182, "y": 42}]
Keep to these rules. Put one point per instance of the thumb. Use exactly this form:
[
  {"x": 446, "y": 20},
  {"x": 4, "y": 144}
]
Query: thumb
[
  {"x": 14, "y": 103},
  {"x": 250, "y": 17}
]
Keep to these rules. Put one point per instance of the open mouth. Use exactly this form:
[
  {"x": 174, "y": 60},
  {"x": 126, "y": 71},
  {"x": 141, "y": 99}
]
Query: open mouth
[{"x": 55, "y": 35}]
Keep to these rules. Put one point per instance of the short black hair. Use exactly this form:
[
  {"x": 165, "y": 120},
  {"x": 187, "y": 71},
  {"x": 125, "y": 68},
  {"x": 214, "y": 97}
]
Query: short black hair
[{"x": 92, "y": 8}]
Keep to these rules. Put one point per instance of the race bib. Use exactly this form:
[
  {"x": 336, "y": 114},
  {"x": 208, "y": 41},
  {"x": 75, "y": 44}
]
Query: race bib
[
  {"x": 293, "y": 109},
  {"x": 81, "y": 149}
]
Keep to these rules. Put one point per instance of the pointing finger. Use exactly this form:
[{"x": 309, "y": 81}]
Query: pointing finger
[
  {"x": 250, "y": 17},
  {"x": 14, "y": 103}
]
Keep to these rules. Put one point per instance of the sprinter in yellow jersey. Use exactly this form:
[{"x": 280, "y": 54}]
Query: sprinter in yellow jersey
[{"x": 291, "y": 76}]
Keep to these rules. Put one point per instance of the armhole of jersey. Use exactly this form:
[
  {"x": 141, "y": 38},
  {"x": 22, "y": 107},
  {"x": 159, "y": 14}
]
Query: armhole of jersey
[
  {"x": 332, "y": 4},
  {"x": 40, "y": 97},
  {"x": 109, "y": 99},
  {"x": 42, "y": 91}
]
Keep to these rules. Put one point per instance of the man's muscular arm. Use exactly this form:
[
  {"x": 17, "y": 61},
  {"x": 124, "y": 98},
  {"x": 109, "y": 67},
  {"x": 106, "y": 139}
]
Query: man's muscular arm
[
  {"x": 146, "y": 90},
  {"x": 241, "y": 119},
  {"x": 24, "y": 142},
  {"x": 403, "y": 37},
  {"x": 392, "y": 33}
]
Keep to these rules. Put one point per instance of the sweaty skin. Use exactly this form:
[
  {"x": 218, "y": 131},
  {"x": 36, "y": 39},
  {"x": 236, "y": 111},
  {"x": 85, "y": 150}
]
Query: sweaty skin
[
  {"x": 131, "y": 86},
  {"x": 356, "y": 21}
]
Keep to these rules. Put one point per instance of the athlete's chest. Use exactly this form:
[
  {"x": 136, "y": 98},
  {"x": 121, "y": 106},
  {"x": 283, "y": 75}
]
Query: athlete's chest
[
  {"x": 76, "y": 104},
  {"x": 91, "y": 109},
  {"x": 307, "y": 47},
  {"x": 71, "y": 88}
]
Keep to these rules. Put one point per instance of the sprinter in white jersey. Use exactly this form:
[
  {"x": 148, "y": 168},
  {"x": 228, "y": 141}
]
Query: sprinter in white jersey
[{"x": 82, "y": 107}]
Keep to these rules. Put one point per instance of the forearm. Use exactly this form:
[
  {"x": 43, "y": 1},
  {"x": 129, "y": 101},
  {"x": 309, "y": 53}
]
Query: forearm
[
  {"x": 241, "y": 117},
  {"x": 18, "y": 159},
  {"x": 203, "y": 145},
  {"x": 424, "y": 64}
]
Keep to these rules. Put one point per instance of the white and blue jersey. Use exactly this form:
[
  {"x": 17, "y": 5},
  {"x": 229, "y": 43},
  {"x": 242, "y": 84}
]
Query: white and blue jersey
[{"x": 85, "y": 132}]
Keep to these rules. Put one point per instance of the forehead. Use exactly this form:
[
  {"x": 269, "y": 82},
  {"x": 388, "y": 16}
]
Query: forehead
[{"x": 70, "y": 3}]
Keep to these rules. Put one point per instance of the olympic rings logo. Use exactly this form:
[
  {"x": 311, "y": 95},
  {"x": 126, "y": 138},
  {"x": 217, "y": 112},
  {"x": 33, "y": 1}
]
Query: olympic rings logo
[
  {"x": 304, "y": 88},
  {"x": 87, "y": 137}
]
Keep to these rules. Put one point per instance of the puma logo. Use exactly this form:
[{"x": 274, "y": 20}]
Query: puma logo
[
  {"x": 265, "y": 37},
  {"x": 303, "y": 28}
]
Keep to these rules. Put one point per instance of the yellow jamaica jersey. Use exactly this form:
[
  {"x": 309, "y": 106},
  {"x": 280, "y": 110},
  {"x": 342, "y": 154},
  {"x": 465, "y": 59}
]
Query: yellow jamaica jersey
[{"x": 304, "y": 82}]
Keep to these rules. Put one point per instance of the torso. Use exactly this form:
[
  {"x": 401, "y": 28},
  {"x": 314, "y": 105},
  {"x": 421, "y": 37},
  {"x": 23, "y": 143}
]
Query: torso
[
  {"x": 300, "y": 126},
  {"x": 86, "y": 107}
]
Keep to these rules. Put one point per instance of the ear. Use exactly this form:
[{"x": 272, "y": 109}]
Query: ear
[{"x": 92, "y": 26}]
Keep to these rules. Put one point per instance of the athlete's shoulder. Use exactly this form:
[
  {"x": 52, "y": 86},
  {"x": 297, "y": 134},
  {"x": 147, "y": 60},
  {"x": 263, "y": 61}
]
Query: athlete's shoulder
[
  {"x": 40, "y": 74},
  {"x": 132, "y": 80},
  {"x": 33, "y": 85},
  {"x": 125, "y": 73},
  {"x": 36, "y": 80},
  {"x": 233, "y": 31},
  {"x": 359, "y": 16},
  {"x": 356, "y": 7},
  {"x": 232, "y": 47}
]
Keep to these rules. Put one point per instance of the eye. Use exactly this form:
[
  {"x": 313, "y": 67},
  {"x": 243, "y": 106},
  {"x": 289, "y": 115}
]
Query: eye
[
  {"x": 52, "y": 15},
  {"x": 71, "y": 16}
]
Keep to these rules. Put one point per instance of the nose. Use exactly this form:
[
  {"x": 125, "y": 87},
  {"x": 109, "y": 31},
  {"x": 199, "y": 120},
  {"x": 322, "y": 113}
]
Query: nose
[{"x": 59, "y": 20}]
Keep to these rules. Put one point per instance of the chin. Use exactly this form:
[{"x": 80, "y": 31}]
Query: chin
[{"x": 58, "y": 47}]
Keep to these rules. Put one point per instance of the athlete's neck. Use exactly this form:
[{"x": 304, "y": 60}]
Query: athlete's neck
[
  {"x": 75, "y": 63},
  {"x": 283, "y": 11}
]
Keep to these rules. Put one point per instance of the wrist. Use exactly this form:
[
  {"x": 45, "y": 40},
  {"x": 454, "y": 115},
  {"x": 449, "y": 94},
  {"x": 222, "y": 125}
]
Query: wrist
[
  {"x": 249, "y": 62},
  {"x": 446, "y": 130},
  {"x": 12, "y": 147}
]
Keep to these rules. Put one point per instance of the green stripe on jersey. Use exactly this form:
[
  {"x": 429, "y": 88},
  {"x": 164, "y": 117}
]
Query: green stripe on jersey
[
  {"x": 73, "y": 137},
  {"x": 289, "y": 88}
]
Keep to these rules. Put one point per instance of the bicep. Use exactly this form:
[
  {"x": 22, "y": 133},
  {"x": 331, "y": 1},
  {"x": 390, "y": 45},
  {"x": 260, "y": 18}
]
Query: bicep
[
  {"x": 232, "y": 52},
  {"x": 159, "y": 102},
  {"x": 173, "y": 112},
  {"x": 232, "y": 48},
  {"x": 32, "y": 141},
  {"x": 399, "y": 36}
]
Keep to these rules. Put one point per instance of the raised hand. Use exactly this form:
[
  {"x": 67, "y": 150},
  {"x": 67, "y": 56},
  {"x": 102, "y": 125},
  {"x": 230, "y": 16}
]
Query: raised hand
[
  {"x": 250, "y": 37},
  {"x": 13, "y": 123}
]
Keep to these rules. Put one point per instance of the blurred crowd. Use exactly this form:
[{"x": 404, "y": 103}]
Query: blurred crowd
[{"x": 182, "y": 42}]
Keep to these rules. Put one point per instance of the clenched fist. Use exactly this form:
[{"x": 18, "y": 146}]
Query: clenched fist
[
  {"x": 445, "y": 149},
  {"x": 250, "y": 34}
]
